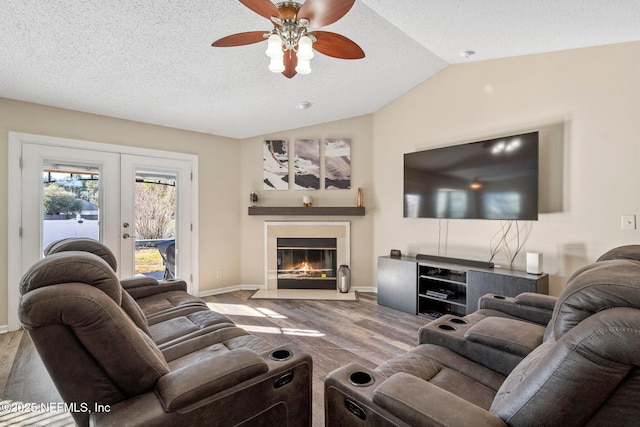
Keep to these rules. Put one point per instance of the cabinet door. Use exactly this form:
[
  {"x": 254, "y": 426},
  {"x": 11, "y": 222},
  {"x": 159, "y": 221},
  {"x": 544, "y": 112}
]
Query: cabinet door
[{"x": 398, "y": 284}]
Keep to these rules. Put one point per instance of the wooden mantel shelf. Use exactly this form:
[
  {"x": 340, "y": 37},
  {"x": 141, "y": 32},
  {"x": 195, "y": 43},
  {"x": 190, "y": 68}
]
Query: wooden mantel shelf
[{"x": 313, "y": 210}]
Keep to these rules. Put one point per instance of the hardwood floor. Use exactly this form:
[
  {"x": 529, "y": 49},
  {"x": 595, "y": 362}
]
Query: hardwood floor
[{"x": 333, "y": 332}]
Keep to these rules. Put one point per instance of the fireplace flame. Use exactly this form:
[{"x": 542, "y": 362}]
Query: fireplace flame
[{"x": 304, "y": 266}]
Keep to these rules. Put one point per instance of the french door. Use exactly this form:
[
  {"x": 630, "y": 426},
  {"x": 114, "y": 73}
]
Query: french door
[
  {"x": 140, "y": 203},
  {"x": 156, "y": 217}
]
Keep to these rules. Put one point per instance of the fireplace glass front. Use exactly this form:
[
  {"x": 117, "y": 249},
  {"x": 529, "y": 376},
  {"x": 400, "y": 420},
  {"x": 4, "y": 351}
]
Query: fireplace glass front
[{"x": 307, "y": 263}]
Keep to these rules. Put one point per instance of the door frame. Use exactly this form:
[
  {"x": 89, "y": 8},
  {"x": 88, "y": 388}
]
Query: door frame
[{"x": 16, "y": 139}]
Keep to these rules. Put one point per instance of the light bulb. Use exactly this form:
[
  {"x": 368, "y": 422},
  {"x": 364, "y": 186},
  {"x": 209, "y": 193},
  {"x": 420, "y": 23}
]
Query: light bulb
[
  {"x": 305, "y": 48},
  {"x": 276, "y": 65},
  {"x": 304, "y": 66},
  {"x": 274, "y": 46}
]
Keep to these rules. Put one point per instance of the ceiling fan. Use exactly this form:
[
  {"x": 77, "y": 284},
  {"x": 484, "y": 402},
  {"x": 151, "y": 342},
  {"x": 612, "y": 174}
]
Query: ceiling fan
[{"x": 291, "y": 41}]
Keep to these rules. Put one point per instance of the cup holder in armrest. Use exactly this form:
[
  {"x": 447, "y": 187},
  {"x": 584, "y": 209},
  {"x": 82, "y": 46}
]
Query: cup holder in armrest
[
  {"x": 445, "y": 327},
  {"x": 499, "y": 297},
  {"x": 458, "y": 321},
  {"x": 360, "y": 379},
  {"x": 280, "y": 355}
]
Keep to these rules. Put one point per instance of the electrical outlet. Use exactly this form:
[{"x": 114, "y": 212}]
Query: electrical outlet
[
  {"x": 628, "y": 222},
  {"x": 219, "y": 275}
]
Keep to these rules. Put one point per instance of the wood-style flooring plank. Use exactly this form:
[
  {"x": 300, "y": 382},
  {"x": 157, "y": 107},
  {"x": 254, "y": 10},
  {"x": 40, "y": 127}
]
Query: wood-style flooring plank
[{"x": 9, "y": 344}]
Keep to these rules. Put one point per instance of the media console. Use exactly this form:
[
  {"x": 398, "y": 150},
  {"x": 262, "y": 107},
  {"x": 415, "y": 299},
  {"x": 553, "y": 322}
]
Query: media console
[
  {"x": 458, "y": 261},
  {"x": 431, "y": 286}
]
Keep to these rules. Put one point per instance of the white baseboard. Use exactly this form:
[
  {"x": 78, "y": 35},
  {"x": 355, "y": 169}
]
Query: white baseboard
[
  {"x": 224, "y": 290},
  {"x": 365, "y": 289},
  {"x": 4, "y": 329},
  {"x": 227, "y": 289}
]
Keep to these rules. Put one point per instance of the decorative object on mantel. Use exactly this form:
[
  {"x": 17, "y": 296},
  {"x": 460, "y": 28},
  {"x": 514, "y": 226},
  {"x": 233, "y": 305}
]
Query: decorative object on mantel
[
  {"x": 290, "y": 44},
  {"x": 337, "y": 163},
  {"x": 253, "y": 198},
  {"x": 306, "y": 164},
  {"x": 275, "y": 163},
  {"x": 360, "y": 202},
  {"x": 307, "y": 201}
]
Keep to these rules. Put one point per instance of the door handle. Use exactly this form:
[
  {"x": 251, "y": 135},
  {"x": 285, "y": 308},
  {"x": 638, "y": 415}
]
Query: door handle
[{"x": 127, "y": 236}]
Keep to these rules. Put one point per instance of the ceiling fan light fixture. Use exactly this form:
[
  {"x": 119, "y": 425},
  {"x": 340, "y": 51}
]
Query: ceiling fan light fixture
[
  {"x": 276, "y": 65},
  {"x": 305, "y": 48},
  {"x": 274, "y": 46},
  {"x": 304, "y": 66},
  {"x": 291, "y": 33}
]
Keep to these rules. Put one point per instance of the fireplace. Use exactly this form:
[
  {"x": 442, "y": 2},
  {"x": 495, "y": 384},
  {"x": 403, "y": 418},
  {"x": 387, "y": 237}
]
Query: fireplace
[
  {"x": 307, "y": 263},
  {"x": 323, "y": 246}
]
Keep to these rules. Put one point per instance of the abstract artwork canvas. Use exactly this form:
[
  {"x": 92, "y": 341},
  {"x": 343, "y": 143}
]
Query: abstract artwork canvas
[
  {"x": 337, "y": 163},
  {"x": 306, "y": 164},
  {"x": 275, "y": 161}
]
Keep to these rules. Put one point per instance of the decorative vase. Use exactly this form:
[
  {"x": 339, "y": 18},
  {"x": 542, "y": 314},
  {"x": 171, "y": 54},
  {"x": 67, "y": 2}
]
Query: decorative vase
[
  {"x": 344, "y": 278},
  {"x": 307, "y": 201},
  {"x": 360, "y": 197}
]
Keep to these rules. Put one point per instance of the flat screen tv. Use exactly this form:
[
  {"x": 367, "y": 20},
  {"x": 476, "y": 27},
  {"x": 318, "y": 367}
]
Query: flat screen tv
[{"x": 493, "y": 179}]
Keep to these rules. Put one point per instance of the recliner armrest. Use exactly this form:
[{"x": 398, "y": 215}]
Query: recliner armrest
[
  {"x": 140, "y": 287},
  {"x": 529, "y": 306},
  {"x": 138, "y": 281},
  {"x": 531, "y": 299},
  {"x": 420, "y": 403},
  {"x": 192, "y": 383}
]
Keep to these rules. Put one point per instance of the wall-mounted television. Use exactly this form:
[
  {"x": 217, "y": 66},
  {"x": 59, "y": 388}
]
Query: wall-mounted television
[{"x": 492, "y": 179}]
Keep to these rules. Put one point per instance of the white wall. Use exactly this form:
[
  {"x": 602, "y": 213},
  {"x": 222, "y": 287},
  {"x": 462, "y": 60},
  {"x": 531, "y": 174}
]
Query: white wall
[{"x": 587, "y": 104}]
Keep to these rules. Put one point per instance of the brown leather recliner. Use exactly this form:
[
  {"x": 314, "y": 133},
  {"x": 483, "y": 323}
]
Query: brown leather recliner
[
  {"x": 586, "y": 371},
  {"x": 164, "y": 310},
  {"x": 159, "y": 300},
  {"x": 110, "y": 372}
]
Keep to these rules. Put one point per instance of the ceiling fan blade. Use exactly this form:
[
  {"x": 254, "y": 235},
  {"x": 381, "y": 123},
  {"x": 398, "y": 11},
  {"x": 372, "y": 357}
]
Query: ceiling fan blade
[
  {"x": 324, "y": 12},
  {"x": 262, "y": 7},
  {"x": 240, "y": 39},
  {"x": 290, "y": 63},
  {"x": 337, "y": 46}
]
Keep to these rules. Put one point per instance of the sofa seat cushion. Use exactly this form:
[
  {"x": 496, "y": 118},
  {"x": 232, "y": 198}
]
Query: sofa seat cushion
[
  {"x": 484, "y": 313},
  {"x": 186, "y": 327},
  {"x": 166, "y": 305},
  {"x": 513, "y": 336},
  {"x": 228, "y": 339},
  {"x": 449, "y": 371}
]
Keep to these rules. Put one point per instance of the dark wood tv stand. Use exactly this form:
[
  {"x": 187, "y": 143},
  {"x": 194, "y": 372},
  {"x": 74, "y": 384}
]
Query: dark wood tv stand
[{"x": 430, "y": 287}]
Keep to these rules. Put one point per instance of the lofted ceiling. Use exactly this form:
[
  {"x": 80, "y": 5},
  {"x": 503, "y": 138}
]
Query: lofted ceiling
[{"x": 152, "y": 61}]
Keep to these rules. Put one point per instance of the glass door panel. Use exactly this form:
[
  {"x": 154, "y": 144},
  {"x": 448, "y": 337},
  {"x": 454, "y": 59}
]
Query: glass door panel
[
  {"x": 71, "y": 202},
  {"x": 67, "y": 193},
  {"x": 155, "y": 224}
]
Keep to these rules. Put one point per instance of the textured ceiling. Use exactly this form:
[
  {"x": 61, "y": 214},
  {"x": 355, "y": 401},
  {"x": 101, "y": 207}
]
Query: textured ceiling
[{"x": 152, "y": 60}]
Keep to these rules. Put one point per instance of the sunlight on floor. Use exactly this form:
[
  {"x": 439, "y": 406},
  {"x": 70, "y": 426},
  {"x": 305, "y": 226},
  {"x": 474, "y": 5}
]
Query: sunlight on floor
[
  {"x": 281, "y": 331},
  {"x": 243, "y": 310},
  {"x": 270, "y": 313}
]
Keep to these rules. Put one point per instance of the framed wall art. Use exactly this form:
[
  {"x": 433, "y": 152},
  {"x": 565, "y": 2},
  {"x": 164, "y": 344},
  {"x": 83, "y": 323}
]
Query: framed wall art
[
  {"x": 275, "y": 164},
  {"x": 337, "y": 163},
  {"x": 306, "y": 164}
]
